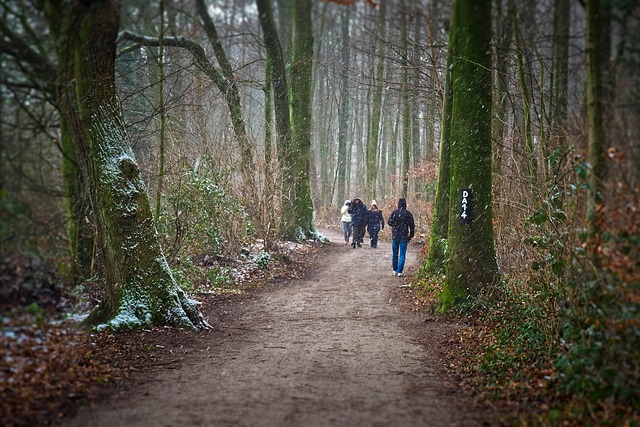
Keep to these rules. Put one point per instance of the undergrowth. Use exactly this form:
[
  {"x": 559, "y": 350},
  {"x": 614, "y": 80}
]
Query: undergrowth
[{"x": 565, "y": 335}]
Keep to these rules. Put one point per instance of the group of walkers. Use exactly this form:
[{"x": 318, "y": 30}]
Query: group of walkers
[{"x": 356, "y": 219}]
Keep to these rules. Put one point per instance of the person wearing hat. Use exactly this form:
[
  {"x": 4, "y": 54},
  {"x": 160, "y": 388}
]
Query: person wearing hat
[
  {"x": 359, "y": 220},
  {"x": 376, "y": 223},
  {"x": 346, "y": 221}
]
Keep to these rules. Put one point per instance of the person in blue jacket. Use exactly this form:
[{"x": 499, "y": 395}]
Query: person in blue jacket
[
  {"x": 375, "y": 224},
  {"x": 402, "y": 230},
  {"x": 359, "y": 220}
]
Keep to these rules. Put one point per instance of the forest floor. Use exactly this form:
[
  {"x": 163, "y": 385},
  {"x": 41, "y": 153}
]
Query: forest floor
[{"x": 338, "y": 343}]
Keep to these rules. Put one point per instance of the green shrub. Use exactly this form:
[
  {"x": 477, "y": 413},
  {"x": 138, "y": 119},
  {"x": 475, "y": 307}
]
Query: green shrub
[
  {"x": 596, "y": 331},
  {"x": 201, "y": 217}
]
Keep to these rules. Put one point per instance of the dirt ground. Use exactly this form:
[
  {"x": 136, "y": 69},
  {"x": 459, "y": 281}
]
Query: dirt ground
[{"x": 336, "y": 347}]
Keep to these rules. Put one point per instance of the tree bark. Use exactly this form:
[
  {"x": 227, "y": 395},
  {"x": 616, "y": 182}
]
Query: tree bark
[
  {"x": 373, "y": 141},
  {"x": 287, "y": 156},
  {"x": 301, "y": 102},
  {"x": 343, "y": 115},
  {"x": 141, "y": 291},
  {"x": 406, "y": 102},
  {"x": 596, "y": 16},
  {"x": 436, "y": 259},
  {"x": 471, "y": 258}
]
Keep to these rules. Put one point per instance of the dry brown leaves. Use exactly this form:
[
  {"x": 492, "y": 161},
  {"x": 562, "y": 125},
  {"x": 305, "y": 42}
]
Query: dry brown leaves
[
  {"x": 49, "y": 368},
  {"x": 45, "y": 369}
]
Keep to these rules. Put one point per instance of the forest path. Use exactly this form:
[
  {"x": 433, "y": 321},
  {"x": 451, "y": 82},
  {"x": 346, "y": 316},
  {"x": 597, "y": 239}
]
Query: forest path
[{"x": 335, "y": 348}]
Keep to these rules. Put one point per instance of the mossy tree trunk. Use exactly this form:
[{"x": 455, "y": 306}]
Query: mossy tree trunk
[
  {"x": 343, "y": 108},
  {"x": 406, "y": 102},
  {"x": 284, "y": 143},
  {"x": 597, "y": 16},
  {"x": 374, "y": 136},
  {"x": 80, "y": 230},
  {"x": 301, "y": 102},
  {"x": 471, "y": 258},
  {"x": 140, "y": 289},
  {"x": 436, "y": 259}
]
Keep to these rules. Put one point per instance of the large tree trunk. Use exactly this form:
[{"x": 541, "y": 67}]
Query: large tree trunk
[
  {"x": 471, "y": 259},
  {"x": 436, "y": 259},
  {"x": 406, "y": 103},
  {"x": 140, "y": 288},
  {"x": 79, "y": 230},
  {"x": 301, "y": 102},
  {"x": 343, "y": 115},
  {"x": 596, "y": 22},
  {"x": 372, "y": 143},
  {"x": 296, "y": 197}
]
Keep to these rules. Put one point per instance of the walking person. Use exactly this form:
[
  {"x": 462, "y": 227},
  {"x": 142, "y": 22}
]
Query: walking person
[
  {"x": 359, "y": 219},
  {"x": 402, "y": 230},
  {"x": 376, "y": 223},
  {"x": 346, "y": 221}
]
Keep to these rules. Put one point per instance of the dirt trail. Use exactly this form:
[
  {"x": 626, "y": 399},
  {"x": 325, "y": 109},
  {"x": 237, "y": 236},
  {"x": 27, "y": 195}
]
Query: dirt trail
[{"x": 333, "y": 349}]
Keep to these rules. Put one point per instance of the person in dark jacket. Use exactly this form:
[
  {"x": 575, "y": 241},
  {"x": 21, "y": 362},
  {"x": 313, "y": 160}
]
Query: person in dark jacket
[
  {"x": 375, "y": 224},
  {"x": 402, "y": 230},
  {"x": 359, "y": 219}
]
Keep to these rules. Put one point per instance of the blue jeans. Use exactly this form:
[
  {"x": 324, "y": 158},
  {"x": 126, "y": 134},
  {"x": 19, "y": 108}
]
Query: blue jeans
[
  {"x": 346, "y": 229},
  {"x": 399, "y": 252}
]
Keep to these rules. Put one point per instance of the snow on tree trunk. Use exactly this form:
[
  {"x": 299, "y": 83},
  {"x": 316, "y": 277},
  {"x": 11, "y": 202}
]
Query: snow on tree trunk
[{"x": 141, "y": 291}]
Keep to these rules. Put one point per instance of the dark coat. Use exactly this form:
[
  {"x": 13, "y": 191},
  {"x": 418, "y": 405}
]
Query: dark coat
[
  {"x": 359, "y": 213},
  {"x": 376, "y": 221},
  {"x": 401, "y": 222}
]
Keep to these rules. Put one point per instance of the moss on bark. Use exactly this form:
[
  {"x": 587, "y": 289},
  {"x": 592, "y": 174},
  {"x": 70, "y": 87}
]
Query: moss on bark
[
  {"x": 471, "y": 260},
  {"x": 140, "y": 289}
]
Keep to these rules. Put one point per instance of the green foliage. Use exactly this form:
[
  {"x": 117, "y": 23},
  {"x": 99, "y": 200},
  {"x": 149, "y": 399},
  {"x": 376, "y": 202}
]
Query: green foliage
[
  {"x": 201, "y": 217},
  {"x": 262, "y": 259},
  {"x": 521, "y": 343},
  {"x": 190, "y": 276},
  {"x": 186, "y": 274},
  {"x": 568, "y": 323},
  {"x": 595, "y": 332},
  {"x": 438, "y": 254}
]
